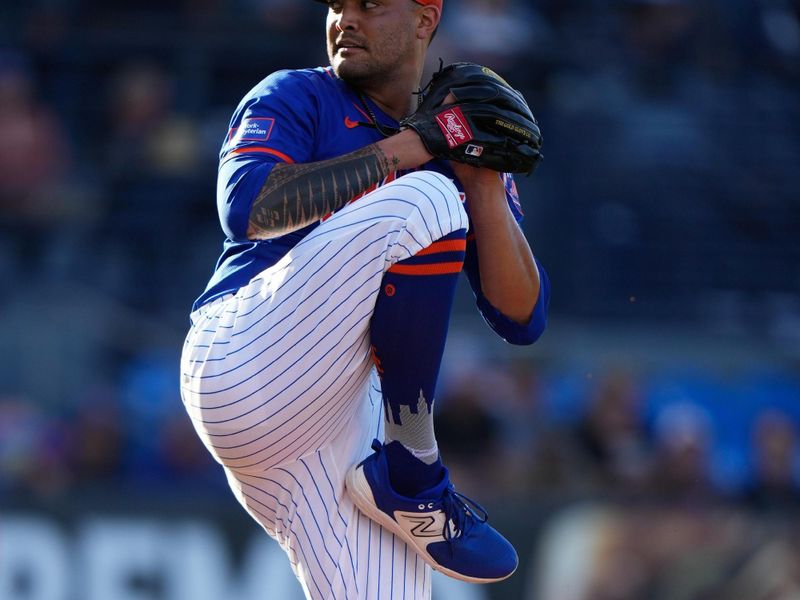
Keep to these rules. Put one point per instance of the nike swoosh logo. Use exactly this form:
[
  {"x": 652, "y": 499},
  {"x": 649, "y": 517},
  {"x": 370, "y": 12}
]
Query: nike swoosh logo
[{"x": 349, "y": 123}]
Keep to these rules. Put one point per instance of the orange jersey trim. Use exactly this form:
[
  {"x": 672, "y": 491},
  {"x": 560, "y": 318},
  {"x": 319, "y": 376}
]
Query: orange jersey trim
[
  {"x": 444, "y": 246},
  {"x": 281, "y": 155},
  {"x": 375, "y": 359},
  {"x": 433, "y": 269}
]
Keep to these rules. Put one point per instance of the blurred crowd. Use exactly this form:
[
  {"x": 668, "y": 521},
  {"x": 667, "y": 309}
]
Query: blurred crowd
[
  {"x": 681, "y": 436},
  {"x": 672, "y": 139},
  {"x": 510, "y": 430},
  {"x": 681, "y": 118}
]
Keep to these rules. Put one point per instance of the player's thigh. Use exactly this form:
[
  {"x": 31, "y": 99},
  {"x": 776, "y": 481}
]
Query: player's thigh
[
  {"x": 283, "y": 386},
  {"x": 277, "y": 370},
  {"x": 282, "y": 366}
]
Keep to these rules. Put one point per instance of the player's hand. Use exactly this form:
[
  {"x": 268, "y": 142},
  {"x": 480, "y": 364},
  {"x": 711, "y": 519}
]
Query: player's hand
[
  {"x": 488, "y": 125},
  {"x": 476, "y": 177},
  {"x": 469, "y": 176},
  {"x": 475, "y": 180}
]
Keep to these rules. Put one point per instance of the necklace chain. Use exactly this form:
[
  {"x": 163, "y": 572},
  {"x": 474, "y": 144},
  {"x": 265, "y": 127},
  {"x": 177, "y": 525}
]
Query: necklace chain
[{"x": 384, "y": 131}]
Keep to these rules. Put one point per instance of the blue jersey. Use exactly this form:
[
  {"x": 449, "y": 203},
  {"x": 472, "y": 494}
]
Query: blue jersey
[{"x": 303, "y": 116}]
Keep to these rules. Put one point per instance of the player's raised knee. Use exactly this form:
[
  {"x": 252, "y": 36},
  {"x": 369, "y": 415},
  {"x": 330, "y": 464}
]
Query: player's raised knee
[
  {"x": 438, "y": 182},
  {"x": 437, "y": 198}
]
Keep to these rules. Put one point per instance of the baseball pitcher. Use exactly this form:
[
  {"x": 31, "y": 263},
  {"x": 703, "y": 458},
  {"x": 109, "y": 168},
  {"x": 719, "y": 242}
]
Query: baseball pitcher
[{"x": 350, "y": 204}]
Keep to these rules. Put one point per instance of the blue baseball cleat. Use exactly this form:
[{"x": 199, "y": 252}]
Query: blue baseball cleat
[{"x": 468, "y": 548}]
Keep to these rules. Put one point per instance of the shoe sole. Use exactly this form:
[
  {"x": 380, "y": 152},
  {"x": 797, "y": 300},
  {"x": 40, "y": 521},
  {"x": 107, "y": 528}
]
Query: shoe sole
[{"x": 361, "y": 494}]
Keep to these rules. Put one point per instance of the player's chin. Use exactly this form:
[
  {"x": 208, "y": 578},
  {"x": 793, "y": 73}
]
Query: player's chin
[{"x": 351, "y": 68}]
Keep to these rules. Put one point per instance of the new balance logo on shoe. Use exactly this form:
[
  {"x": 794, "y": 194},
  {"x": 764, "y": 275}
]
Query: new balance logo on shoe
[{"x": 422, "y": 526}]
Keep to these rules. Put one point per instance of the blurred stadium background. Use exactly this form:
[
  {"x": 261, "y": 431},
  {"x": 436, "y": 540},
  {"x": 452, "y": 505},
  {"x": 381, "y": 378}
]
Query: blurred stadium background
[{"x": 645, "y": 449}]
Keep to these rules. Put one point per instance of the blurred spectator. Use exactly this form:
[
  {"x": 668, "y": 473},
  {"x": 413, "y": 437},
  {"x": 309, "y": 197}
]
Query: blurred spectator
[
  {"x": 780, "y": 25},
  {"x": 469, "y": 435},
  {"x": 146, "y": 135},
  {"x": 499, "y": 33},
  {"x": 155, "y": 180},
  {"x": 34, "y": 153},
  {"x": 516, "y": 404},
  {"x": 660, "y": 34},
  {"x": 774, "y": 482},
  {"x": 664, "y": 553},
  {"x": 98, "y": 439},
  {"x": 610, "y": 439},
  {"x": 34, "y": 449},
  {"x": 281, "y": 14},
  {"x": 184, "y": 456},
  {"x": 681, "y": 471},
  {"x": 150, "y": 402}
]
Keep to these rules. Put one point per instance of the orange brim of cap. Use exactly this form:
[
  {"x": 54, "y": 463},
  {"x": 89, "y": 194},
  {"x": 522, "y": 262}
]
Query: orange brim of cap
[{"x": 436, "y": 3}]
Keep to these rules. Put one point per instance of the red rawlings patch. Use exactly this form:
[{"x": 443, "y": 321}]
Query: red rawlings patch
[{"x": 454, "y": 126}]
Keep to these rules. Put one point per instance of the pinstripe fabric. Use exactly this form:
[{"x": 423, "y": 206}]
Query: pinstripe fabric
[{"x": 280, "y": 386}]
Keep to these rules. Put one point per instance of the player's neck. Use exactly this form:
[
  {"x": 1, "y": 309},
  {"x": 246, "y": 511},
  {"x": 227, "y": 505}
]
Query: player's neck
[
  {"x": 397, "y": 107},
  {"x": 395, "y": 97}
]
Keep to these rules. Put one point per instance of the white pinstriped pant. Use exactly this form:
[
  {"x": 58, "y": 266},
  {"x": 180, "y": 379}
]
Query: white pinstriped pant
[{"x": 280, "y": 386}]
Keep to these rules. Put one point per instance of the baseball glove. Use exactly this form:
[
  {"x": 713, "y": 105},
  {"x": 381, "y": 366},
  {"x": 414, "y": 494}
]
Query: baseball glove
[{"x": 489, "y": 125}]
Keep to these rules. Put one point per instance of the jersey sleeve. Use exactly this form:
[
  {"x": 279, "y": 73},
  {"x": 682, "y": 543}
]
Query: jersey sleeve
[
  {"x": 512, "y": 196},
  {"x": 275, "y": 123},
  {"x": 508, "y": 329},
  {"x": 520, "y": 334}
]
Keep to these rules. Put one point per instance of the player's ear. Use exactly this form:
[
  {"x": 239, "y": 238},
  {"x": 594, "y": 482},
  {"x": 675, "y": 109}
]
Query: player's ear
[{"x": 428, "y": 20}]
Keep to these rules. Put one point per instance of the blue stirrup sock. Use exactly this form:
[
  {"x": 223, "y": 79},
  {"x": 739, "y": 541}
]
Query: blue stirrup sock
[{"x": 408, "y": 334}]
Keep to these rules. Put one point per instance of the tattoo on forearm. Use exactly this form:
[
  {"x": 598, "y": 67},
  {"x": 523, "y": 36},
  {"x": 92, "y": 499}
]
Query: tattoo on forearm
[{"x": 294, "y": 196}]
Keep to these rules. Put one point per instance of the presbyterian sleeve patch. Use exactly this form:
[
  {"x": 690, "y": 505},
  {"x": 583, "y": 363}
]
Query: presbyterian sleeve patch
[{"x": 251, "y": 129}]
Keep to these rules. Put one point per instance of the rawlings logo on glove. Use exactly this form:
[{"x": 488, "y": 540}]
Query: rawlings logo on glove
[
  {"x": 454, "y": 127},
  {"x": 488, "y": 113}
]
